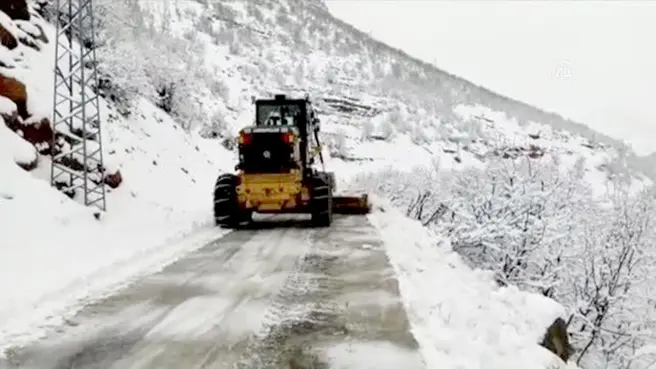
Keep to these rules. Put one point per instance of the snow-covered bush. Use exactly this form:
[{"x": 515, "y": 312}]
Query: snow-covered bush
[
  {"x": 138, "y": 56},
  {"x": 515, "y": 218},
  {"x": 612, "y": 282},
  {"x": 540, "y": 228}
]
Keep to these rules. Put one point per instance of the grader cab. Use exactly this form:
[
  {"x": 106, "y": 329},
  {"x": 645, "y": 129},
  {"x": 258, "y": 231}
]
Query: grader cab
[{"x": 276, "y": 170}]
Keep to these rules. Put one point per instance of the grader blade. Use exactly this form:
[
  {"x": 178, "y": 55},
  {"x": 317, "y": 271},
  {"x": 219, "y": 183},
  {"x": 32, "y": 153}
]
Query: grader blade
[{"x": 351, "y": 204}]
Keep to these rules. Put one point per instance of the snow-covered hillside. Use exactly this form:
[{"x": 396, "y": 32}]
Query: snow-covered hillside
[
  {"x": 383, "y": 110},
  {"x": 177, "y": 81},
  {"x": 461, "y": 318},
  {"x": 53, "y": 251},
  {"x": 202, "y": 61}
]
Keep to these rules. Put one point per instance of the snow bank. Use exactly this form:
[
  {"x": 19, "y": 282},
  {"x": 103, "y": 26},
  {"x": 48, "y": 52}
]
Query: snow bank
[
  {"x": 54, "y": 253},
  {"x": 460, "y": 317}
]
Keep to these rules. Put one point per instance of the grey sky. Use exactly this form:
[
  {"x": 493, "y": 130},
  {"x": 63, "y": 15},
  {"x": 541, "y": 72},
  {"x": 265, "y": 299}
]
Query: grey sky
[{"x": 594, "y": 61}]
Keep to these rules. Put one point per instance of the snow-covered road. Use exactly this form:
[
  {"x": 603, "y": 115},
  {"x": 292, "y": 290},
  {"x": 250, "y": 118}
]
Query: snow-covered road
[{"x": 288, "y": 297}]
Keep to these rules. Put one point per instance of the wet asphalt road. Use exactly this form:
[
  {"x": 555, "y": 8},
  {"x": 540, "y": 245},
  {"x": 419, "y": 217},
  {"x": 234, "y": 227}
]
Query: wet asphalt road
[{"x": 287, "y": 297}]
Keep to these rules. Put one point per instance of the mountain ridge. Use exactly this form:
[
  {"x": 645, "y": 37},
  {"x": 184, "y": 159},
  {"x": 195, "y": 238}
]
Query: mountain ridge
[{"x": 428, "y": 65}]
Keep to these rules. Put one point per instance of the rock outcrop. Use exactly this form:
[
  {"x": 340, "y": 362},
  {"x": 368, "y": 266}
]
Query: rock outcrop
[
  {"x": 34, "y": 130},
  {"x": 556, "y": 340},
  {"x": 15, "y": 9},
  {"x": 113, "y": 180},
  {"x": 15, "y": 91},
  {"x": 7, "y": 39}
]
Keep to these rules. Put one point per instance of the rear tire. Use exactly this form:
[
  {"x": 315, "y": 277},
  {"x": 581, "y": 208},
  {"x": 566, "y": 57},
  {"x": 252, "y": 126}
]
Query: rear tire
[
  {"x": 227, "y": 213},
  {"x": 322, "y": 201}
]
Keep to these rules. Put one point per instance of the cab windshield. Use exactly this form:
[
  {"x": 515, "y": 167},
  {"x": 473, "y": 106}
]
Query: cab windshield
[{"x": 278, "y": 114}]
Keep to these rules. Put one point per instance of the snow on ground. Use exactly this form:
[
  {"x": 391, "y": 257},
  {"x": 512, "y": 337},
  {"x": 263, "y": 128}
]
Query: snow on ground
[
  {"x": 54, "y": 253},
  {"x": 379, "y": 355},
  {"x": 490, "y": 126},
  {"x": 370, "y": 126},
  {"x": 481, "y": 135},
  {"x": 460, "y": 317},
  {"x": 166, "y": 197}
]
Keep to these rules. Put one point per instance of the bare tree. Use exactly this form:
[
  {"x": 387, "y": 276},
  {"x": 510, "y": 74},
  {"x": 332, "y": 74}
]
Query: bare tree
[
  {"x": 618, "y": 261},
  {"x": 543, "y": 230}
]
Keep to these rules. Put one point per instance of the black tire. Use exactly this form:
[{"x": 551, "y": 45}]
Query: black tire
[
  {"x": 227, "y": 213},
  {"x": 322, "y": 201}
]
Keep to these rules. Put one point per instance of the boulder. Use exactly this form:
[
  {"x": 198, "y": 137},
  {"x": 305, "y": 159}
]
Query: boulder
[
  {"x": 556, "y": 340},
  {"x": 15, "y": 91},
  {"x": 113, "y": 180},
  {"x": 24, "y": 154},
  {"x": 38, "y": 134},
  {"x": 28, "y": 41},
  {"x": 28, "y": 162},
  {"x": 15, "y": 9},
  {"x": 37, "y": 32},
  {"x": 7, "y": 39}
]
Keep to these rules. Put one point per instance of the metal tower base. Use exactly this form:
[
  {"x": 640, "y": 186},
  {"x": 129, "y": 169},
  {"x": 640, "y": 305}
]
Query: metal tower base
[{"x": 77, "y": 159}]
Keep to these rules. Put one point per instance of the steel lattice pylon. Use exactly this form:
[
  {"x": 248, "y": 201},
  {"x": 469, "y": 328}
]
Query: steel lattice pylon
[{"x": 76, "y": 119}]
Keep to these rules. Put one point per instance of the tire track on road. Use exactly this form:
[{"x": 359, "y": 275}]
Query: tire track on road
[{"x": 278, "y": 298}]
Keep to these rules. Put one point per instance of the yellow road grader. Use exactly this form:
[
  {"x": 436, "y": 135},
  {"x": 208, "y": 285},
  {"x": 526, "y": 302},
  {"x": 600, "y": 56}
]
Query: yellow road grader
[{"x": 276, "y": 172}]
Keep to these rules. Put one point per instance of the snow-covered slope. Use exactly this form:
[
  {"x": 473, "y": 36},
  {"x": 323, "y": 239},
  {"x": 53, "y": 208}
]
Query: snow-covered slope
[
  {"x": 208, "y": 58},
  {"x": 53, "y": 251},
  {"x": 459, "y": 316},
  {"x": 178, "y": 79},
  {"x": 381, "y": 109}
]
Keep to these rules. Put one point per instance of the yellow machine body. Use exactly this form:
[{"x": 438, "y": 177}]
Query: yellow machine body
[
  {"x": 285, "y": 193},
  {"x": 273, "y": 193},
  {"x": 276, "y": 172}
]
